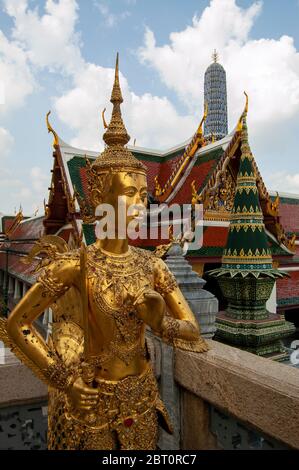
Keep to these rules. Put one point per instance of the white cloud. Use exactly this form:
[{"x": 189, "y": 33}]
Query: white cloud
[
  {"x": 152, "y": 120},
  {"x": 50, "y": 40},
  {"x": 182, "y": 62},
  {"x": 283, "y": 181},
  {"x": 36, "y": 42},
  {"x": 39, "y": 180},
  {"x": 17, "y": 81},
  {"x": 267, "y": 69},
  {"x": 111, "y": 19},
  {"x": 28, "y": 192},
  {"x": 6, "y": 143}
]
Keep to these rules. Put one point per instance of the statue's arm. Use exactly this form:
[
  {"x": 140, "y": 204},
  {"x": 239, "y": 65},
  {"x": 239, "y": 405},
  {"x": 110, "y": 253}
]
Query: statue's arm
[
  {"x": 167, "y": 312},
  {"x": 180, "y": 328},
  {"x": 53, "y": 283},
  {"x": 185, "y": 323}
]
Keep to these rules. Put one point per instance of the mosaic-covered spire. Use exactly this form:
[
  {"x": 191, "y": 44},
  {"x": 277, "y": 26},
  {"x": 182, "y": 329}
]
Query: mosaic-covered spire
[
  {"x": 215, "y": 96},
  {"x": 247, "y": 248},
  {"x": 246, "y": 277}
]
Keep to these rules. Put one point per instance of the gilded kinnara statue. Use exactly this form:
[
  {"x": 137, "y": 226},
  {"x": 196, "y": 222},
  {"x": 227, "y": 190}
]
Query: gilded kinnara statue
[{"x": 102, "y": 391}]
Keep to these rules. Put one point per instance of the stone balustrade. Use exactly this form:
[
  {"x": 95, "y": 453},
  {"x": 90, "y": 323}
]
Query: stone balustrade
[
  {"x": 205, "y": 393},
  {"x": 260, "y": 393}
]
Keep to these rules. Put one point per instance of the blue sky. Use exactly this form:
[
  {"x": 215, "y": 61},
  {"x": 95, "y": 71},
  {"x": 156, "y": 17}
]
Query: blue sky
[{"x": 59, "y": 54}]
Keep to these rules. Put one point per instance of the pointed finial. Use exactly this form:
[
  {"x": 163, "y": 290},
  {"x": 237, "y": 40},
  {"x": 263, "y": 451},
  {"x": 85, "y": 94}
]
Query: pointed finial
[
  {"x": 244, "y": 121},
  {"x": 205, "y": 114},
  {"x": 245, "y": 148},
  {"x": 215, "y": 56},
  {"x": 244, "y": 114},
  {"x": 50, "y": 129},
  {"x": 116, "y": 156},
  {"x": 116, "y": 133},
  {"x": 116, "y": 96}
]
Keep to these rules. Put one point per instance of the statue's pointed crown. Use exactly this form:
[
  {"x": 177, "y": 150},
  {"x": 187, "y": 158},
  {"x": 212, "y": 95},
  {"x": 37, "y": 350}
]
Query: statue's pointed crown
[{"x": 116, "y": 157}]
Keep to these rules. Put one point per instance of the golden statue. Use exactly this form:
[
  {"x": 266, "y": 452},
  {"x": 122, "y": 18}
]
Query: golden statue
[{"x": 102, "y": 390}]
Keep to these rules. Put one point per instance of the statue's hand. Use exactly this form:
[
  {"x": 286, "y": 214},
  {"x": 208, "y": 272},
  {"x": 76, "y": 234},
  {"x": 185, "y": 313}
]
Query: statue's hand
[
  {"x": 151, "y": 308},
  {"x": 82, "y": 396}
]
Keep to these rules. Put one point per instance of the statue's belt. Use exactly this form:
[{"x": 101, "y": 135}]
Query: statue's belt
[{"x": 121, "y": 402}]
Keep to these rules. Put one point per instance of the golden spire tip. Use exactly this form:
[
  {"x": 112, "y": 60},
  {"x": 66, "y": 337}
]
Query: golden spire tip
[
  {"x": 116, "y": 133},
  {"x": 215, "y": 56},
  {"x": 116, "y": 64},
  {"x": 246, "y": 104},
  {"x": 50, "y": 129}
]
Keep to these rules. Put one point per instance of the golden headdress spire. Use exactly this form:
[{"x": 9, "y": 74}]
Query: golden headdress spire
[
  {"x": 116, "y": 132},
  {"x": 116, "y": 157}
]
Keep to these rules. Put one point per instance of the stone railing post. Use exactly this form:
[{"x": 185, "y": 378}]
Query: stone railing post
[{"x": 203, "y": 304}]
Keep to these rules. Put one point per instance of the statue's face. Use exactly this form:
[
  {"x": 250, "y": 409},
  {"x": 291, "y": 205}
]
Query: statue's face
[{"x": 127, "y": 194}]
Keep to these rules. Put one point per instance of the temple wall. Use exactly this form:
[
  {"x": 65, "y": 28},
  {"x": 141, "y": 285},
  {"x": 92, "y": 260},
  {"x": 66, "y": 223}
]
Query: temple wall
[{"x": 23, "y": 405}]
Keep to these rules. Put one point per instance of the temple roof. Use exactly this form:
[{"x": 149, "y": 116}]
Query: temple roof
[{"x": 203, "y": 169}]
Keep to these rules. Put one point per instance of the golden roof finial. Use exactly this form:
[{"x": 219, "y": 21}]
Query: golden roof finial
[
  {"x": 244, "y": 114},
  {"x": 50, "y": 129},
  {"x": 196, "y": 198},
  {"x": 246, "y": 104},
  {"x": 116, "y": 133},
  {"x": 215, "y": 56},
  {"x": 205, "y": 114}
]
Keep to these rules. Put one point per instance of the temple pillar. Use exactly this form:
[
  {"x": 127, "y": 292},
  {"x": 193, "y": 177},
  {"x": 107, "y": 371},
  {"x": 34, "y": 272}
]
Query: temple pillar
[
  {"x": 24, "y": 290},
  {"x": 11, "y": 285},
  {"x": 271, "y": 303},
  {"x": 18, "y": 290},
  {"x": 47, "y": 321},
  {"x": 203, "y": 303}
]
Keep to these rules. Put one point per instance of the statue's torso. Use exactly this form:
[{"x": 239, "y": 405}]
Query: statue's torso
[{"x": 117, "y": 335}]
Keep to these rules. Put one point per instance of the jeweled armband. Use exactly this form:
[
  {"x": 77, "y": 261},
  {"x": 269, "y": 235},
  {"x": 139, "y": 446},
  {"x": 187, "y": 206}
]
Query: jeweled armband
[
  {"x": 59, "y": 376},
  {"x": 170, "y": 329},
  {"x": 51, "y": 286},
  {"x": 166, "y": 284}
]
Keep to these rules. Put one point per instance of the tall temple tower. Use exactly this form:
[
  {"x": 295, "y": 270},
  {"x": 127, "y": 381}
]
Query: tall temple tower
[
  {"x": 215, "y": 96},
  {"x": 246, "y": 277}
]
